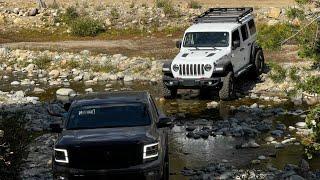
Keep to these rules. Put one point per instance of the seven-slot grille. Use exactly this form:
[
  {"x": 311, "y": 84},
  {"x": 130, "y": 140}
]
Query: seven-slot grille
[{"x": 191, "y": 69}]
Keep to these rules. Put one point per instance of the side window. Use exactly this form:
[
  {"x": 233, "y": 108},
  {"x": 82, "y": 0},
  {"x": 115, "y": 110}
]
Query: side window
[
  {"x": 252, "y": 27},
  {"x": 153, "y": 106},
  {"x": 235, "y": 37},
  {"x": 244, "y": 32}
]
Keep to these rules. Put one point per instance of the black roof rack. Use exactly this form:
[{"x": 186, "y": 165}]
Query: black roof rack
[{"x": 223, "y": 15}]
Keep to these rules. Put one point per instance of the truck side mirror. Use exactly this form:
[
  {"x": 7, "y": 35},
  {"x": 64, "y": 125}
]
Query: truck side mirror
[
  {"x": 178, "y": 44},
  {"x": 164, "y": 122},
  {"x": 235, "y": 44},
  {"x": 55, "y": 128}
]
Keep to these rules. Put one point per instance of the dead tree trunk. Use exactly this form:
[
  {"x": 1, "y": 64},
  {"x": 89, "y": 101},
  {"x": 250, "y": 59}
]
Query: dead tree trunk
[{"x": 41, "y": 4}]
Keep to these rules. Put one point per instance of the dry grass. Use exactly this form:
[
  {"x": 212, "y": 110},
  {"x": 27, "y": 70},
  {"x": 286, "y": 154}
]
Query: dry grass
[{"x": 206, "y": 3}]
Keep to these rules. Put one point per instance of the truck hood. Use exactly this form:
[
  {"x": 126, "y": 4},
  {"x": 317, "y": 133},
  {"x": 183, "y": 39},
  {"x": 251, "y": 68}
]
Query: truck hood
[{"x": 105, "y": 135}]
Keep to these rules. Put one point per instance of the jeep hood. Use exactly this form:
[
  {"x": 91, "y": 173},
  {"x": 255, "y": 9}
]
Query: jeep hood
[{"x": 201, "y": 55}]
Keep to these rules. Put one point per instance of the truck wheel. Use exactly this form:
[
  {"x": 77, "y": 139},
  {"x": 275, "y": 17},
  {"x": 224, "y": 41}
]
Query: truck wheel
[
  {"x": 227, "y": 91},
  {"x": 169, "y": 93},
  {"x": 258, "y": 64}
]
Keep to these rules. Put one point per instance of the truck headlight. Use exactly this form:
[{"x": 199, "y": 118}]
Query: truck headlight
[
  {"x": 207, "y": 67},
  {"x": 176, "y": 67},
  {"x": 151, "y": 151},
  {"x": 61, "y": 155}
]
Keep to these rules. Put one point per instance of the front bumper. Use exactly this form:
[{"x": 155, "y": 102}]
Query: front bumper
[
  {"x": 191, "y": 83},
  {"x": 151, "y": 170}
]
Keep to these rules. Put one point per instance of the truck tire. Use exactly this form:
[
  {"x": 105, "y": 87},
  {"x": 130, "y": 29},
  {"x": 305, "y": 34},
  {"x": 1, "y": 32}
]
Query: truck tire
[
  {"x": 258, "y": 63},
  {"x": 227, "y": 91},
  {"x": 169, "y": 93}
]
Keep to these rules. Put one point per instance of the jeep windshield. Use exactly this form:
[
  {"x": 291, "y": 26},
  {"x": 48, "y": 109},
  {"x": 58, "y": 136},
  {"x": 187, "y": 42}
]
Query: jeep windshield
[
  {"x": 110, "y": 115},
  {"x": 206, "y": 39}
]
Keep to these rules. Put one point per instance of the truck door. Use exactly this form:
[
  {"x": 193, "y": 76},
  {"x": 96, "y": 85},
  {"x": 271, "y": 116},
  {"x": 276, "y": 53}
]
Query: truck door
[
  {"x": 236, "y": 53},
  {"x": 246, "y": 48}
]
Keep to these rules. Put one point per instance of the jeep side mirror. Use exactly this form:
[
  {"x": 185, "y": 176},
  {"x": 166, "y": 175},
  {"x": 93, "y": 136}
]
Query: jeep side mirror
[
  {"x": 178, "y": 44},
  {"x": 235, "y": 44},
  {"x": 164, "y": 122},
  {"x": 55, "y": 128}
]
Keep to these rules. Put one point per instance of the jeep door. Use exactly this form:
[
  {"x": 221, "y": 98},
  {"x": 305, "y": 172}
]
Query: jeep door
[
  {"x": 247, "y": 42},
  {"x": 236, "y": 54}
]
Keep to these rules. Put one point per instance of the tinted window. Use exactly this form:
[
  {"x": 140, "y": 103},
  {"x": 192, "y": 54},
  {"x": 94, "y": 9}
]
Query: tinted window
[
  {"x": 252, "y": 27},
  {"x": 235, "y": 36},
  {"x": 244, "y": 32},
  {"x": 104, "y": 116},
  {"x": 206, "y": 39}
]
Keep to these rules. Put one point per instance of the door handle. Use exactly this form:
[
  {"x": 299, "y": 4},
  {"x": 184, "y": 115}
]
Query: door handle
[{"x": 241, "y": 49}]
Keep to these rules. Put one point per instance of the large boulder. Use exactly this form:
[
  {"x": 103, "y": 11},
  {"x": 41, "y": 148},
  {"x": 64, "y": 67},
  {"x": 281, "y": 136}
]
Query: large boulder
[{"x": 65, "y": 92}]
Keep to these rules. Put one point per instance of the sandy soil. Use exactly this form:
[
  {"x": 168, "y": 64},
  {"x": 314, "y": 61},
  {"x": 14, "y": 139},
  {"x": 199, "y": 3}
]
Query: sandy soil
[{"x": 206, "y": 3}]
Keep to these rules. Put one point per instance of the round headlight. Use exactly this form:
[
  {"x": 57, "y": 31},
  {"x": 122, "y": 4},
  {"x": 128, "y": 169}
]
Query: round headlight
[
  {"x": 175, "y": 67},
  {"x": 207, "y": 67}
]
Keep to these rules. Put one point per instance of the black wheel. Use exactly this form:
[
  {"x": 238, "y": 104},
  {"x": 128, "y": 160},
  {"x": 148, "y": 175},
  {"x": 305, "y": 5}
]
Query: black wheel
[
  {"x": 169, "y": 93},
  {"x": 258, "y": 63},
  {"x": 166, "y": 167},
  {"x": 227, "y": 91}
]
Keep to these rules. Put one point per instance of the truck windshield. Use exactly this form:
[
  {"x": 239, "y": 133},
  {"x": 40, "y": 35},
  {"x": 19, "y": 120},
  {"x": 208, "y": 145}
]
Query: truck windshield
[
  {"x": 206, "y": 39},
  {"x": 107, "y": 116}
]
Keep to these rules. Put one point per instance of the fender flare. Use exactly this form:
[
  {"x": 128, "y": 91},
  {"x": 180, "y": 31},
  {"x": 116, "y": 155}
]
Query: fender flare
[
  {"x": 226, "y": 67},
  {"x": 166, "y": 68}
]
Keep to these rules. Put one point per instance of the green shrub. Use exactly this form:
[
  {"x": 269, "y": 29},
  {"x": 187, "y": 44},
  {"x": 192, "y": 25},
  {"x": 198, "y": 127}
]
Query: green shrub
[
  {"x": 293, "y": 74},
  {"x": 271, "y": 37},
  {"x": 167, "y": 7},
  {"x": 86, "y": 26},
  {"x": 105, "y": 69},
  {"x": 194, "y": 4},
  {"x": 310, "y": 85},
  {"x": 293, "y": 13},
  {"x": 70, "y": 15},
  {"x": 278, "y": 74},
  {"x": 303, "y": 2},
  {"x": 312, "y": 144},
  {"x": 114, "y": 13},
  {"x": 43, "y": 62}
]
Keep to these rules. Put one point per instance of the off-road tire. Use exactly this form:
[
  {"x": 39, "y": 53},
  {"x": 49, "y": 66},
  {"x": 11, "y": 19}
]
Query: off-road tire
[
  {"x": 169, "y": 93},
  {"x": 258, "y": 64},
  {"x": 227, "y": 91}
]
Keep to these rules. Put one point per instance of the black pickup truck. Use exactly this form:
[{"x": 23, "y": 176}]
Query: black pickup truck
[{"x": 112, "y": 135}]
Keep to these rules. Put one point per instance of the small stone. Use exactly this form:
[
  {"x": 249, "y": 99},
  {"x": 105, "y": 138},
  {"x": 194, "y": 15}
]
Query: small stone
[
  {"x": 277, "y": 133},
  {"x": 66, "y": 92},
  {"x": 54, "y": 74},
  {"x": 255, "y": 105},
  {"x": 301, "y": 125},
  {"x": 269, "y": 139},
  {"x": 250, "y": 144},
  {"x": 89, "y": 90},
  {"x": 1, "y": 133},
  {"x": 212, "y": 105},
  {"x": 190, "y": 128},
  {"x": 262, "y": 158},
  {"x": 279, "y": 146},
  {"x": 38, "y": 90},
  {"x": 15, "y": 83},
  {"x": 33, "y": 12},
  {"x": 256, "y": 161}
]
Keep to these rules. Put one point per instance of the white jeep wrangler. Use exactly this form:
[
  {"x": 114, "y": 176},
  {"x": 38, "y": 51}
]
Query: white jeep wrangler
[{"x": 216, "y": 49}]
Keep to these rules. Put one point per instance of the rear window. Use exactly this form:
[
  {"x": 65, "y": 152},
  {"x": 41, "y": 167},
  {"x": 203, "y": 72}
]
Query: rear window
[
  {"x": 107, "y": 116},
  {"x": 244, "y": 32},
  {"x": 252, "y": 27}
]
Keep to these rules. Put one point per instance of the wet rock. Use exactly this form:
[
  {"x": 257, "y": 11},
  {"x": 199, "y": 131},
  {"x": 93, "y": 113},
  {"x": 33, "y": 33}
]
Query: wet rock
[
  {"x": 65, "y": 92},
  {"x": 269, "y": 139},
  {"x": 296, "y": 177},
  {"x": 255, "y": 105},
  {"x": 277, "y": 133},
  {"x": 304, "y": 166},
  {"x": 88, "y": 90},
  {"x": 203, "y": 134},
  {"x": 250, "y": 144},
  {"x": 190, "y": 128},
  {"x": 281, "y": 127},
  {"x": 279, "y": 146}
]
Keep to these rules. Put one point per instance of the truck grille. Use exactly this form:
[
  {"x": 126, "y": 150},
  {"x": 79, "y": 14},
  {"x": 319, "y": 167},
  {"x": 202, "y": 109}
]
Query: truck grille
[
  {"x": 106, "y": 157},
  {"x": 191, "y": 69}
]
